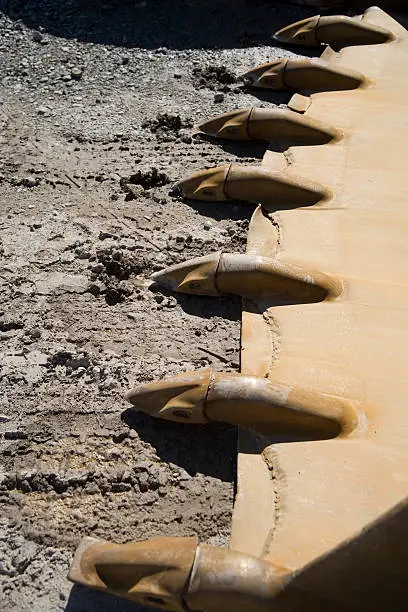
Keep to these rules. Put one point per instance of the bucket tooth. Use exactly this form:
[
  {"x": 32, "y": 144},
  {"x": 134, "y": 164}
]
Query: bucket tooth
[
  {"x": 250, "y": 276},
  {"x": 181, "y": 398},
  {"x": 259, "y": 404},
  {"x": 232, "y": 125},
  {"x": 310, "y": 75},
  {"x": 274, "y": 190},
  {"x": 196, "y": 276},
  {"x": 275, "y": 124},
  {"x": 151, "y": 572},
  {"x": 178, "y": 574},
  {"x": 300, "y": 33},
  {"x": 338, "y": 31},
  {"x": 206, "y": 185}
]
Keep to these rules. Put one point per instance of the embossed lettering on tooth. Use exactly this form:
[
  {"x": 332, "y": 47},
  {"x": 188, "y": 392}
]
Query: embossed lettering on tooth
[
  {"x": 338, "y": 31},
  {"x": 311, "y": 75},
  {"x": 253, "y": 403},
  {"x": 251, "y": 276},
  {"x": 274, "y": 124},
  {"x": 274, "y": 190}
]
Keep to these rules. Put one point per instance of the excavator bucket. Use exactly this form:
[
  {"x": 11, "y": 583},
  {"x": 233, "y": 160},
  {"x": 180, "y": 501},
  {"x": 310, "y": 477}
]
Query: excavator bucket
[{"x": 321, "y": 402}]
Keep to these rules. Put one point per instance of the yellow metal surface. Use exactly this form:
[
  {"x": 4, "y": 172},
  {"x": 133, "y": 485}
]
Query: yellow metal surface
[{"x": 325, "y": 493}]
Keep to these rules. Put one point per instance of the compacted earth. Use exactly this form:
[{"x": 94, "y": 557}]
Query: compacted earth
[{"x": 98, "y": 103}]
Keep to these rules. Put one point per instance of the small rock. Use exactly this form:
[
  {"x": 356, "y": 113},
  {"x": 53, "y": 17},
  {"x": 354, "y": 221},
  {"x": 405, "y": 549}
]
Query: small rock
[
  {"x": 4, "y": 418},
  {"x": 208, "y": 225},
  {"x": 43, "y": 110},
  {"x": 37, "y": 36},
  {"x": 79, "y": 372},
  {"x": 109, "y": 383},
  {"x": 76, "y": 73},
  {"x": 34, "y": 333},
  {"x": 57, "y": 282},
  {"x": 219, "y": 97}
]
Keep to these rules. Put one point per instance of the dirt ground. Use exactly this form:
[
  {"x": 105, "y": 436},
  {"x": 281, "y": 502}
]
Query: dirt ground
[{"x": 97, "y": 104}]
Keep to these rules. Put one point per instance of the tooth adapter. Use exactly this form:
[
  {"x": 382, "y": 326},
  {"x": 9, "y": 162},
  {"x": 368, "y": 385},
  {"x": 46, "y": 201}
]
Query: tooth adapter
[
  {"x": 273, "y": 190},
  {"x": 338, "y": 31},
  {"x": 308, "y": 75},
  {"x": 271, "y": 124}
]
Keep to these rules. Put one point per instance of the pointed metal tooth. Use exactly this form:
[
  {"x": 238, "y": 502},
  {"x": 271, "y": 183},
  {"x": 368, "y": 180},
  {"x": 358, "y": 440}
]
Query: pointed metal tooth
[
  {"x": 271, "y": 71},
  {"x": 276, "y": 124},
  {"x": 232, "y": 125},
  {"x": 254, "y": 403},
  {"x": 338, "y": 31},
  {"x": 206, "y": 185},
  {"x": 178, "y": 573},
  {"x": 274, "y": 190},
  {"x": 195, "y": 276},
  {"x": 300, "y": 33},
  {"x": 310, "y": 75},
  {"x": 181, "y": 398},
  {"x": 251, "y": 276},
  {"x": 151, "y": 572}
]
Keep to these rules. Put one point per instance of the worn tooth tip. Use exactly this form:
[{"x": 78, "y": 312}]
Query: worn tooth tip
[
  {"x": 203, "y": 127},
  {"x": 160, "y": 278}
]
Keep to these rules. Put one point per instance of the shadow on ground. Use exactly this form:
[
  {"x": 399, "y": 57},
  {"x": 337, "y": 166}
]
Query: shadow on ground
[
  {"x": 172, "y": 442},
  {"x": 177, "y": 24},
  {"x": 82, "y": 599}
]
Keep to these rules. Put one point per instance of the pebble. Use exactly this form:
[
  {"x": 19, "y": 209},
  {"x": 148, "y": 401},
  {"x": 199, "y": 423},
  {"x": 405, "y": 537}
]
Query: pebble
[
  {"x": 219, "y": 97},
  {"x": 37, "y": 36},
  {"x": 208, "y": 225},
  {"x": 76, "y": 73}
]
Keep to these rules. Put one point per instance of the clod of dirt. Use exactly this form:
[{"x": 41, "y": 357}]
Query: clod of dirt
[
  {"x": 113, "y": 271},
  {"x": 120, "y": 263},
  {"x": 166, "y": 125},
  {"x": 214, "y": 77},
  {"x": 7, "y": 323},
  {"x": 146, "y": 179}
]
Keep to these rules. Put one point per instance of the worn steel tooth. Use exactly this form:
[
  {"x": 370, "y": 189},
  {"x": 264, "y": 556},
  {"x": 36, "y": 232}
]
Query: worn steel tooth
[
  {"x": 232, "y": 125},
  {"x": 274, "y": 124},
  {"x": 250, "y": 276},
  {"x": 338, "y": 31},
  {"x": 274, "y": 190},
  {"x": 178, "y": 574},
  {"x": 196, "y": 276},
  {"x": 259, "y": 404},
  {"x": 206, "y": 184},
  {"x": 310, "y": 74}
]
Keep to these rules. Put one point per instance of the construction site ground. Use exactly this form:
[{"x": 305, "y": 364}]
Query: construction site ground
[{"x": 97, "y": 105}]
